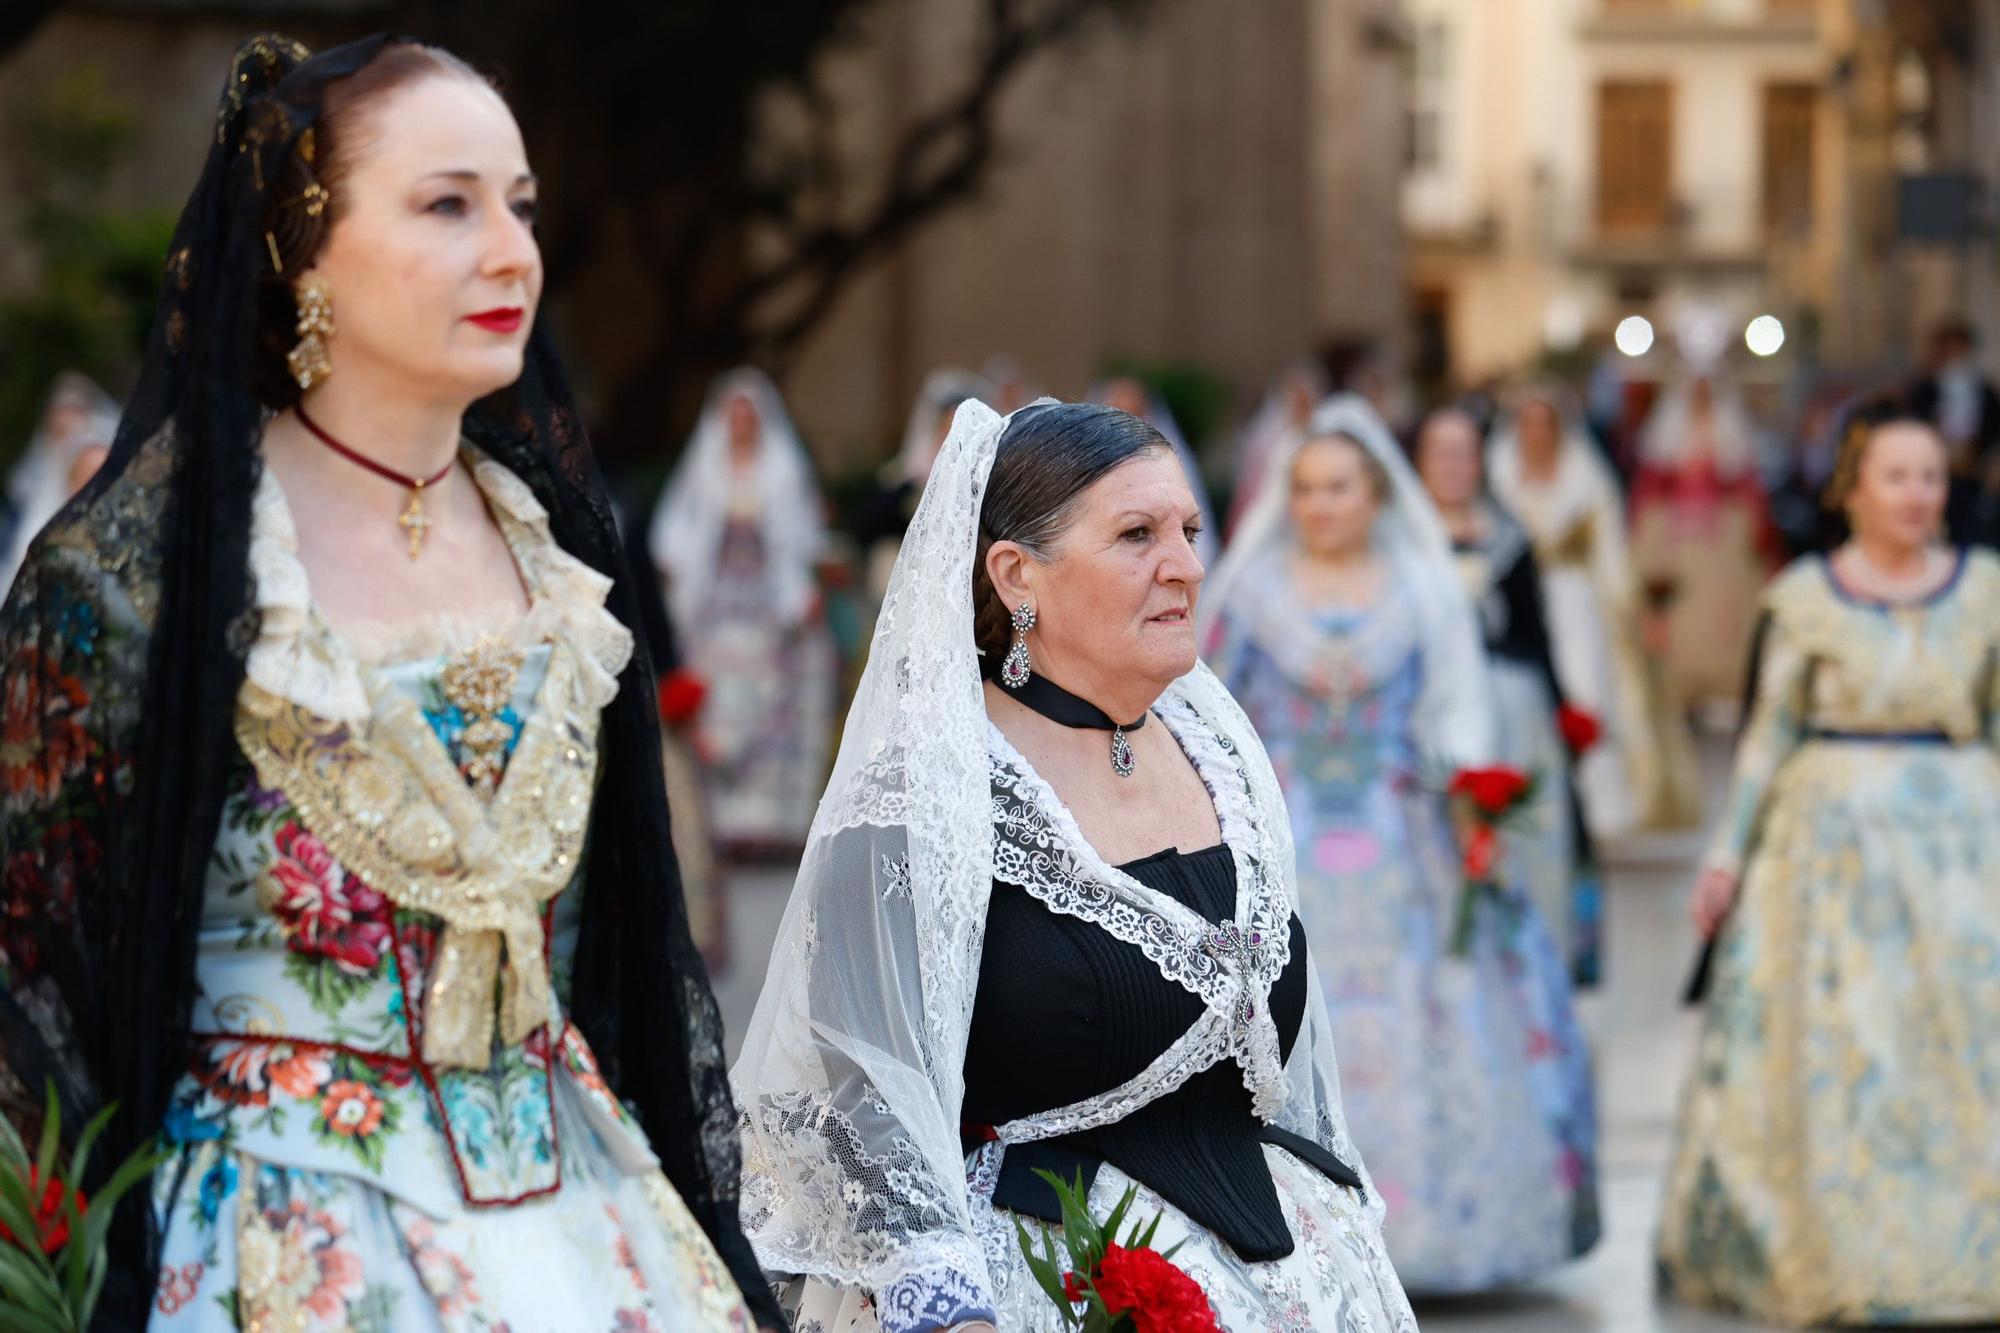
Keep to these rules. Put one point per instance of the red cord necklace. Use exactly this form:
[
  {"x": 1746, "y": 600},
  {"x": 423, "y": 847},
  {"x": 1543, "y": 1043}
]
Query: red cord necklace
[{"x": 413, "y": 518}]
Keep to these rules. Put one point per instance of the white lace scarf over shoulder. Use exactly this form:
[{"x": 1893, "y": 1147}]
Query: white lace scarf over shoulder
[{"x": 1230, "y": 966}]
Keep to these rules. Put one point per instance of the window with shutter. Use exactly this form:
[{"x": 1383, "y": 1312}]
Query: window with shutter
[
  {"x": 1634, "y": 157},
  {"x": 1789, "y": 111}
]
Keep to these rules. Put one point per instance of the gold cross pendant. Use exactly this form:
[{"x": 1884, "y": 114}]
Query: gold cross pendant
[{"x": 415, "y": 521}]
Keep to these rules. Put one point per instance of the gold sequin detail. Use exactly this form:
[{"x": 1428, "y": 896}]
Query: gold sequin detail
[
  {"x": 274, "y": 1270},
  {"x": 393, "y": 808}
]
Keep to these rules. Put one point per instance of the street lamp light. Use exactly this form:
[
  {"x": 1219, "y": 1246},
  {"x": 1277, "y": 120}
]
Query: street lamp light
[
  {"x": 1634, "y": 335},
  {"x": 1764, "y": 335}
]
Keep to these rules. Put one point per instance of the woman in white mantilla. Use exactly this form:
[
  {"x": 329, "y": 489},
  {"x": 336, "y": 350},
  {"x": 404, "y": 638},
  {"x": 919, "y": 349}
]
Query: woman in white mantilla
[
  {"x": 1556, "y": 485},
  {"x": 70, "y": 441},
  {"x": 1046, "y": 921},
  {"x": 738, "y": 536},
  {"x": 1340, "y": 622}
]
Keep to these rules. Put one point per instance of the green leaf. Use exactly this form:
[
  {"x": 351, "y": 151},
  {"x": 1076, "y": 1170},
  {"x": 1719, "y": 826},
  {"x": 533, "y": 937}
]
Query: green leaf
[
  {"x": 1045, "y": 1273},
  {"x": 13, "y": 1152},
  {"x": 134, "y": 1169},
  {"x": 1118, "y": 1211},
  {"x": 17, "y": 1210},
  {"x": 14, "y": 1319},
  {"x": 30, "y": 1285},
  {"x": 80, "y": 1158},
  {"x": 99, "y": 1265},
  {"x": 45, "y": 1159}
]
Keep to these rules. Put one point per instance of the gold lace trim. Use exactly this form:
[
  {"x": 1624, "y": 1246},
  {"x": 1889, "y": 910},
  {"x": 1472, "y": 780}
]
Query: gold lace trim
[
  {"x": 392, "y": 807},
  {"x": 1573, "y": 547}
]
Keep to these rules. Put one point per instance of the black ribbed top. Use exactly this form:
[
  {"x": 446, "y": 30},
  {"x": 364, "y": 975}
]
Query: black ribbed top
[{"x": 1065, "y": 1011}]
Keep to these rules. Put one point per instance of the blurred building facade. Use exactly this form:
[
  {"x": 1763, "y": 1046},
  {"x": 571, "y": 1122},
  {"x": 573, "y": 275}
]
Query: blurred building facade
[
  {"x": 1573, "y": 162},
  {"x": 1216, "y": 184}
]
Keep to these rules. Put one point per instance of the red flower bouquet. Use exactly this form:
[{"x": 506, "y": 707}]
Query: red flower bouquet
[
  {"x": 1580, "y": 730},
  {"x": 1123, "y": 1288},
  {"x": 681, "y": 696},
  {"x": 52, "y": 1259},
  {"x": 1486, "y": 799}
]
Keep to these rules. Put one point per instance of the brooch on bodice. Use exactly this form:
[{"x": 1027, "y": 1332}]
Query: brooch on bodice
[
  {"x": 1229, "y": 944},
  {"x": 480, "y": 683}
]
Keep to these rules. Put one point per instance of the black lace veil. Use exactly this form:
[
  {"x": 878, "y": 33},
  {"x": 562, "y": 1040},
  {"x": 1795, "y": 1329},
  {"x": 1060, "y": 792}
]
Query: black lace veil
[{"x": 124, "y": 640}]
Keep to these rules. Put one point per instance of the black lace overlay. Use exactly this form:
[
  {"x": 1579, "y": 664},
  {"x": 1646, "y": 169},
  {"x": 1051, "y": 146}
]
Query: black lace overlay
[{"x": 124, "y": 640}]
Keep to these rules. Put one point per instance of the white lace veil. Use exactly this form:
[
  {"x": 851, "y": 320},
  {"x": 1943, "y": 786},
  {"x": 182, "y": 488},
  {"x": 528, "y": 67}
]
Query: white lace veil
[
  {"x": 686, "y": 534},
  {"x": 1262, "y": 436},
  {"x": 851, "y": 1077},
  {"x": 38, "y": 486},
  {"x": 941, "y": 390},
  {"x": 1667, "y": 440},
  {"x": 1253, "y": 585}
]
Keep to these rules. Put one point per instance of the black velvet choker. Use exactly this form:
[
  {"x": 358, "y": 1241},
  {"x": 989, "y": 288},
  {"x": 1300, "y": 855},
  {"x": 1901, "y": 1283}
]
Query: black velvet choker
[{"x": 1057, "y": 704}]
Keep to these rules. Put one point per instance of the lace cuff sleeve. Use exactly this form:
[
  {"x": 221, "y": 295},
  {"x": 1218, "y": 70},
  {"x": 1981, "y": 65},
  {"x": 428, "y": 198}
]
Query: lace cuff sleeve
[{"x": 938, "y": 1288}]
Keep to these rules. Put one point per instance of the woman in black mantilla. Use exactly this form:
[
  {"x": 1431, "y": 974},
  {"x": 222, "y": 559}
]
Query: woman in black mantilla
[
  {"x": 336, "y": 848},
  {"x": 1539, "y": 731}
]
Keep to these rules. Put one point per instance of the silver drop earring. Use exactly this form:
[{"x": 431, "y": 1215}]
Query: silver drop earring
[{"x": 1014, "y": 668}]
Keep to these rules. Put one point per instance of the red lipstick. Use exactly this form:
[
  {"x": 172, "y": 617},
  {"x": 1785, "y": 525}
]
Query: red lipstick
[{"x": 503, "y": 319}]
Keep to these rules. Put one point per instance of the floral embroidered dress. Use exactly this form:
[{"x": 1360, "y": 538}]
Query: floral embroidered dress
[
  {"x": 1466, "y": 1079},
  {"x": 1838, "y": 1159},
  {"x": 388, "y": 1122}
]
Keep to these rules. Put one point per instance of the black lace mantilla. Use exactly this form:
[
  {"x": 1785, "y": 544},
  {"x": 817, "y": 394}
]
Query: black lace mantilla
[{"x": 124, "y": 641}]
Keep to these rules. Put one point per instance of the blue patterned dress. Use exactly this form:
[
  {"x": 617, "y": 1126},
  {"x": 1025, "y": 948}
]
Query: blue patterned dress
[{"x": 1466, "y": 1079}]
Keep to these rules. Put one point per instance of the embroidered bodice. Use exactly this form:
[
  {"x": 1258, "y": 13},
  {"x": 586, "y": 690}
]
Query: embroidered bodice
[
  {"x": 1834, "y": 665},
  {"x": 385, "y": 907}
]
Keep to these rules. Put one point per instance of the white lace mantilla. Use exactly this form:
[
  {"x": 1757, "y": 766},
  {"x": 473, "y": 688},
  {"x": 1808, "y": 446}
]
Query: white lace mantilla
[{"x": 852, "y": 1072}]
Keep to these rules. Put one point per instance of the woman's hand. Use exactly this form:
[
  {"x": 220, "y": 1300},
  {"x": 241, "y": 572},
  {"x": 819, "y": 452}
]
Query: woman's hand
[{"x": 1714, "y": 894}]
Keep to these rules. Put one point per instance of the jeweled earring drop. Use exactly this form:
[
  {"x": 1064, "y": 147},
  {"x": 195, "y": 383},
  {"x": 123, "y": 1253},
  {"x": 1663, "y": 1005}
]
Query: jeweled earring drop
[
  {"x": 1015, "y": 667},
  {"x": 308, "y": 361}
]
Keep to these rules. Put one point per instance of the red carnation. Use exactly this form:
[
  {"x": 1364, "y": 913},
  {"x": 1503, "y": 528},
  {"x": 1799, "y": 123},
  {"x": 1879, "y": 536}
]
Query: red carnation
[
  {"x": 681, "y": 693},
  {"x": 1579, "y": 729},
  {"x": 1482, "y": 854},
  {"x": 1073, "y": 1289},
  {"x": 1494, "y": 790},
  {"x": 1159, "y": 1297},
  {"x": 51, "y": 1218}
]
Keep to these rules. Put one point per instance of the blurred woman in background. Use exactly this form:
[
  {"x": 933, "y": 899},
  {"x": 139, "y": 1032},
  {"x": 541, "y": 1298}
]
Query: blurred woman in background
[
  {"x": 1549, "y": 850},
  {"x": 69, "y": 445},
  {"x": 1554, "y": 482},
  {"x": 1702, "y": 528},
  {"x": 1836, "y": 1160},
  {"x": 738, "y": 536},
  {"x": 1340, "y": 624}
]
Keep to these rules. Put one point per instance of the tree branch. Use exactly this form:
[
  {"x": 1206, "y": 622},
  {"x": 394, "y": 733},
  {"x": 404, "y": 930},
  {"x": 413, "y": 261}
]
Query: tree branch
[{"x": 938, "y": 163}]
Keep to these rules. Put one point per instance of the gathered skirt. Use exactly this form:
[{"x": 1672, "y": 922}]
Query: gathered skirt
[
  {"x": 249, "y": 1243},
  {"x": 1466, "y": 1080},
  {"x": 1838, "y": 1158}
]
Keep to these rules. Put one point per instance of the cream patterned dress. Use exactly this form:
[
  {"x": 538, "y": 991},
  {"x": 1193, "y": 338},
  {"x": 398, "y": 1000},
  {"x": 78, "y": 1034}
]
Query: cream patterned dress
[
  {"x": 1839, "y": 1150},
  {"x": 388, "y": 1121}
]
